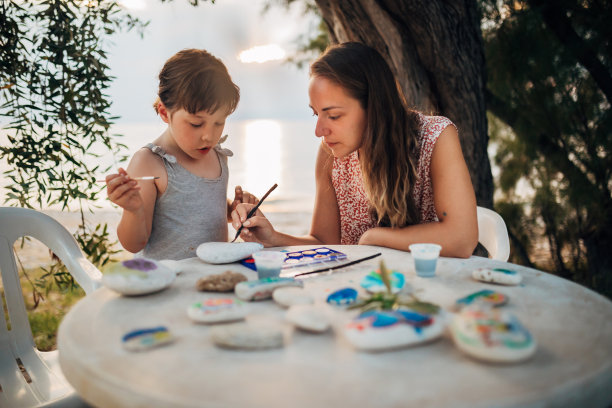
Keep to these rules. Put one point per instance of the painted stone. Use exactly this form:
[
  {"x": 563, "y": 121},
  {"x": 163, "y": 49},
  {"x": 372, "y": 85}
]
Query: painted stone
[
  {"x": 217, "y": 310},
  {"x": 344, "y": 296},
  {"x": 308, "y": 317},
  {"x": 247, "y": 336},
  {"x": 493, "y": 335},
  {"x": 497, "y": 275},
  {"x": 137, "y": 276},
  {"x": 291, "y": 295},
  {"x": 373, "y": 283},
  {"x": 143, "y": 339},
  {"x": 262, "y": 288},
  {"x": 174, "y": 266},
  {"x": 226, "y": 252},
  {"x": 485, "y": 296},
  {"x": 223, "y": 282},
  {"x": 376, "y": 330}
]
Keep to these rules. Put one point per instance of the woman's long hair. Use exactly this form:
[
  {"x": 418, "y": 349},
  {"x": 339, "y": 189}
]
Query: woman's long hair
[{"x": 388, "y": 153}]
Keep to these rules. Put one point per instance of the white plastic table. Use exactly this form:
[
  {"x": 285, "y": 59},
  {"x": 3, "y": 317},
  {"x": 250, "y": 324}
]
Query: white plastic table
[{"x": 571, "y": 367}]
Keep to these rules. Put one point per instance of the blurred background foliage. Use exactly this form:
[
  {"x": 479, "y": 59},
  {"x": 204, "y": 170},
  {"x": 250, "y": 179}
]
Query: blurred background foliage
[{"x": 55, "y": 112}]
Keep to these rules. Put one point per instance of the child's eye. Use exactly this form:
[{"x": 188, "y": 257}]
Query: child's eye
[{"x": 196, "y": 125}]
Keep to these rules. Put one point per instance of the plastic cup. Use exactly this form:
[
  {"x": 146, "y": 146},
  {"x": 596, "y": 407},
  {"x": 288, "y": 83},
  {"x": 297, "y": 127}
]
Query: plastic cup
[
  {"x": 269, "y": 263},
  {"x": 425, "y": 259}
]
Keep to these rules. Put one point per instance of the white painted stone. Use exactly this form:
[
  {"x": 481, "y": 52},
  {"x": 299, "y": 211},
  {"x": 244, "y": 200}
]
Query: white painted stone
[
  {"x": 308, "y": 317},
  {"x": 226, "y": 252},
  {"x": 263, "y": 288},
  {"x": 218, "y": 310},
  {"x": 497, "y": 275},
  {"x": 247, "y": 336},
  {"x": 174, "y": 266},
  {"x": 291, "y": 295},
  {"x": 492, "y": 335},
  {"x": 384, "y": 330},
  {"x": 137, "y": 276}
]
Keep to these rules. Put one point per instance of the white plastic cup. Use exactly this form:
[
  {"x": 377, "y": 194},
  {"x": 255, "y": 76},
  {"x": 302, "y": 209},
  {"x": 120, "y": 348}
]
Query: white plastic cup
[
  {"x": 425, "y": 259},
  {"x": 269, "y": 263}
]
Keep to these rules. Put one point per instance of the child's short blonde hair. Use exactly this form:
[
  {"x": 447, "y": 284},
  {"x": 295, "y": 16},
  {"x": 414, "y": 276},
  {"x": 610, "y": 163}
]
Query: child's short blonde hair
[{"x": 196, "y": 81}]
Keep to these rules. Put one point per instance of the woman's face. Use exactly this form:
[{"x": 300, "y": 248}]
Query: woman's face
[{"x": 341, "y": 120}]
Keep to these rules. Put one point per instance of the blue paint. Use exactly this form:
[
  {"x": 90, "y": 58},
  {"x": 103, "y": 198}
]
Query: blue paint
[
  {"x": 425, "y": 268},
  {"x": 344, "y": 296}
]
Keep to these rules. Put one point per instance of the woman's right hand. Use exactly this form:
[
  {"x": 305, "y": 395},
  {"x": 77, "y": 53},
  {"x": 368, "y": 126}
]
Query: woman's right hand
[
  {"x": 256, "y": 229},
  {"x": 124, "y": 191}
]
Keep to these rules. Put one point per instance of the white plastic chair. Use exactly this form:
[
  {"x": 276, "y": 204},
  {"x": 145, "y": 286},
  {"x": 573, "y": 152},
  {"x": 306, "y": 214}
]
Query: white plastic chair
[
  {"x": 44, "y": 384},
  {"x": 493, "y": 234}
]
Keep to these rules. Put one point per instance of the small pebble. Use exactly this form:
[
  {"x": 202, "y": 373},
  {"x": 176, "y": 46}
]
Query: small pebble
[
  {"x": 291, "y": 295},
  {"x": 247, "y": 336},
  {"x": 224, "y": 282}
]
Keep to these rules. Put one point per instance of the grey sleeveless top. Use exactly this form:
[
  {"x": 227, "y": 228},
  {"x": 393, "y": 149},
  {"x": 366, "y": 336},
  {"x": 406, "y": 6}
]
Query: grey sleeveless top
[{"x": 191, "y": 211}]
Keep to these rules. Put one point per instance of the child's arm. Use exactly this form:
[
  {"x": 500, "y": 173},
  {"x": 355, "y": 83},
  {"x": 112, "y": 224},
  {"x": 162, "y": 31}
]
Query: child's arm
[
  {"x": 137, "y": 198},
  {"x": 455, "y": 203}
]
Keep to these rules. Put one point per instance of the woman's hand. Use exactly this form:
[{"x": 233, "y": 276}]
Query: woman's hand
[
  {"x": 124, "y": 191},
  {"x": 257, "y": 228}
]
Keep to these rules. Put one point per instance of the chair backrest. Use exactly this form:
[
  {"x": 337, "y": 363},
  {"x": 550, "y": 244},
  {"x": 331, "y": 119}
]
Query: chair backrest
[
  {"x": 17, "y": 344},
  {"x": 493, "y": 234}
]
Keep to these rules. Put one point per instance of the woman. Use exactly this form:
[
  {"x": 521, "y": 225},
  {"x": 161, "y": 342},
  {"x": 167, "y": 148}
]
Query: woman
[{"x": 385, "y": 175}]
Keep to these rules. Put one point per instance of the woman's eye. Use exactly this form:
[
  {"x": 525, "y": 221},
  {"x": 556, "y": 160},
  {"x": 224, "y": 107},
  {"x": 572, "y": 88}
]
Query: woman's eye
[
  {"x": 334, "y": 117},
  {"x": 220, "y": 124}
]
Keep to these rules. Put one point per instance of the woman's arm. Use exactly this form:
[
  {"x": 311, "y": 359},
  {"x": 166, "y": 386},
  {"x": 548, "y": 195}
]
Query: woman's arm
[
  {"x": 325, "y": 227},
  {"x": 134, "y": 229},
  {"x": 455, "y": 203}
]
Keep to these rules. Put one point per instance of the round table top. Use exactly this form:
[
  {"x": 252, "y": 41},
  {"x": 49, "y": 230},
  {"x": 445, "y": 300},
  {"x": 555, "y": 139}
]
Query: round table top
[{"x": 572, "y": 364}]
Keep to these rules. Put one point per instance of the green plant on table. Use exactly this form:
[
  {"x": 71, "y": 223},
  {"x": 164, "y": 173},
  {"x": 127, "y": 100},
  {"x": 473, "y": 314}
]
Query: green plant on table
[{"x": 388, "y": 300}]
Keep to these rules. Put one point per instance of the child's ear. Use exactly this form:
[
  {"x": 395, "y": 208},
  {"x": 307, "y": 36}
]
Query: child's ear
[{"x": 163, "y": 112}]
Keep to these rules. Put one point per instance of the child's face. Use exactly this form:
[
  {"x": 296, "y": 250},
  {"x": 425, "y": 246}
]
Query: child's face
[
  {"x": 341, "y": 120},
  {"x": 196, "y": 134}
]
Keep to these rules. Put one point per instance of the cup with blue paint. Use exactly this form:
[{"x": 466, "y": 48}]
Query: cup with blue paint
[
  {"x": 269, "y": 263},
  {"x": 425, "y": 258}
]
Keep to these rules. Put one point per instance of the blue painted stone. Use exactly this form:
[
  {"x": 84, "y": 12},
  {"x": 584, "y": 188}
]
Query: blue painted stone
[
  {"x": 344, "y": 296},
  {"x": 373, "y": 282}
]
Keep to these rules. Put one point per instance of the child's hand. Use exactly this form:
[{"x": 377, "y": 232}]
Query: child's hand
[
  {"x": 257, "y": 228},
  {"x": 242, "y": 197},
  {"x": 124, "y": 191}
]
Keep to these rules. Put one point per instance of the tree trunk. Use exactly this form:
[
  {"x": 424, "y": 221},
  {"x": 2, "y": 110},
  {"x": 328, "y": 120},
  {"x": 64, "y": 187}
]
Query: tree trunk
[
  {"x": 599, "y": 260},
  {"x": 435, "y": 50}
]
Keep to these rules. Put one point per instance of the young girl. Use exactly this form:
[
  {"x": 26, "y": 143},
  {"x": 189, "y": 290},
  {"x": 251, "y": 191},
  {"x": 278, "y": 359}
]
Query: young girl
[
  {"x": 385, "y": 175},
  {"x": 186, "y": 205}
]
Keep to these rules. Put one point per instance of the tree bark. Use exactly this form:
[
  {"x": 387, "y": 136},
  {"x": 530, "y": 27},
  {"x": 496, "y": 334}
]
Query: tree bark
[{"x": 436, "y": 52}]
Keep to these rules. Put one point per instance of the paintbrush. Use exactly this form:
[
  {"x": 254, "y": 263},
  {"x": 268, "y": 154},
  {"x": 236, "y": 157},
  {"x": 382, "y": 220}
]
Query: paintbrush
[
  {"x": 356, "y": 261},
  {"x": 252, "y": 212},
  {"x": 135, "y": 178}
]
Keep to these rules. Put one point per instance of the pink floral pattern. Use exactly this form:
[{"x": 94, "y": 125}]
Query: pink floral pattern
[{"x": 355, "y": 215}]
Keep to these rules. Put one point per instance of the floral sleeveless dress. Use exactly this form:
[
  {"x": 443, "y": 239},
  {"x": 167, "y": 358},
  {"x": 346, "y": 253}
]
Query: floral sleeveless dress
[{"x": 355, "y": 216}]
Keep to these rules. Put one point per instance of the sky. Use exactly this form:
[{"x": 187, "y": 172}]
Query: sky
[{"x": 273, "y": 89}]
